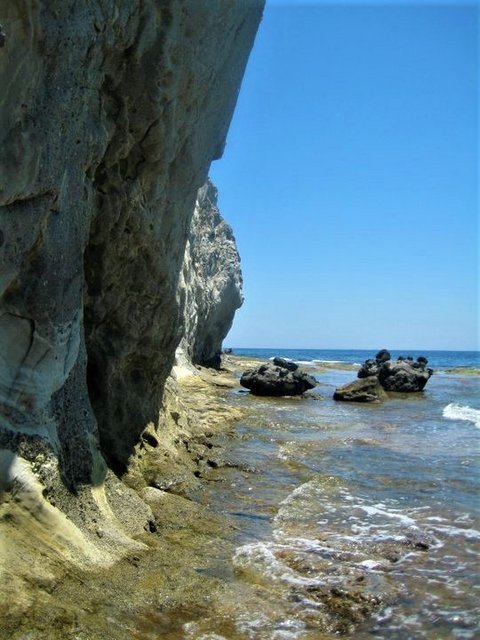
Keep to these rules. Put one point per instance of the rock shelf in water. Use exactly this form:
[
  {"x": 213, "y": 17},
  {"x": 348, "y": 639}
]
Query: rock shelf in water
[
  {"x": 381, "y": 374},
  {"x": 277, "y": 379}
]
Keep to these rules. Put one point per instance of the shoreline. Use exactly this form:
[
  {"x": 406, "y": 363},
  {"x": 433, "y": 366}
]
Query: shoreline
[
  {"x": 185, "y": 568},
  {"x": 162, "y": 574},
  {"x": 169, "y": 472}
]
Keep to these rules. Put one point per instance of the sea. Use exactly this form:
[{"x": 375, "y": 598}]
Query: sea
[
  {"x": 439, "y": 360},
  {"x": 352, "y": 520}
]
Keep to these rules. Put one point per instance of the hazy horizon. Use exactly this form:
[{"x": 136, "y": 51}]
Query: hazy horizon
[{"x": 373, "y": 349}]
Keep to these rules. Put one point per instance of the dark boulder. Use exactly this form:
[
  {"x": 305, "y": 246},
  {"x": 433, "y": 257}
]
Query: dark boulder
[
  {"x": 365, "y": 390},
  {"x": 369, "y": 368},
  {"x": 286, "y": 363},
  {"x": 270, "y": 380},
  {"x": 404, "y": 376}
]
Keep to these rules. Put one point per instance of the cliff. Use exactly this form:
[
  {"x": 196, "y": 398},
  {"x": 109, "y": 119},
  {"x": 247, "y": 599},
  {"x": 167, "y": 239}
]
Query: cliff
[
  {"x": 110, "y": 115},
  {"x": 212, "y": 282},
  {"x": 171, "y": 452}
]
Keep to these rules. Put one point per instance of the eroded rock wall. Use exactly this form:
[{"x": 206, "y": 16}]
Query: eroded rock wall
[
  {"x": 110, "y": 114},
  {"x": 211, "y": 282}
]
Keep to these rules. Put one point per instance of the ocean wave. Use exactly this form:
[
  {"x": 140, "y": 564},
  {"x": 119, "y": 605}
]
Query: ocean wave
[
  {"x": 394, "y": 514},
  {"x": 454, "y": 411},
  {"x": 260, "y": 558},
  {"x": 190, "y": 628},
  {"x": 469, "y": 534}
]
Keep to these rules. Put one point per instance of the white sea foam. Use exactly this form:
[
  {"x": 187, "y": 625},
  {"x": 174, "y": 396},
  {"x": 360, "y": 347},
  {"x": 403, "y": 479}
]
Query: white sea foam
[
  {"x": 192, "y": 631},
  {"x": 372, "y": 564},
  {"x": 454, "y": 411},
  {"x": 257, "y": 624},
  {"x": 306, "y": 363},
  {"x": 260, "y": 558},
  {"x": 379, "y": 510},
  {"x": 286, "y": 450},
  {"x": 469, "y": 534}
]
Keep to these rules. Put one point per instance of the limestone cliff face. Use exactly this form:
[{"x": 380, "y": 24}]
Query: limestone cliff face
[
  {"x": 211, "y": 282},
  {"x": 110, "y": 115}
]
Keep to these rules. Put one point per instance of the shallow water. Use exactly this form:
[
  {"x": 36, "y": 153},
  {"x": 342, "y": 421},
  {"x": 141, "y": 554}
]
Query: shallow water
[
  {"x": 329, "y": 519},
  {"x": 353, "y": 519}
]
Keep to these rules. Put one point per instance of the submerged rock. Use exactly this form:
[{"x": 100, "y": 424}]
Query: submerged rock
[
  {"x": 365, "y": 390},
  {"x": 271, "y": 380}
]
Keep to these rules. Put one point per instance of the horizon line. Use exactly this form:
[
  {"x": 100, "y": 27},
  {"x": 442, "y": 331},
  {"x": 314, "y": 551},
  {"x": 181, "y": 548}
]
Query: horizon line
[{"x": 354, "y": 349}]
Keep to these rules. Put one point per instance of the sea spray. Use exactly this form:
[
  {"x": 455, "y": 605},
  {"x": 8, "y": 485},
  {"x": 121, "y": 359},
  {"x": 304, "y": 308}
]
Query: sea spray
[{"x": 454, "y": 411}]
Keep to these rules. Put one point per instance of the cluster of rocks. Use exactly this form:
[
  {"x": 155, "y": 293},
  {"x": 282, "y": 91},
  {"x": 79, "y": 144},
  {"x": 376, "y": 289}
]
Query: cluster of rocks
[
  {"x": 281, "y": 377},
  {"x": 381, "y": 374}
]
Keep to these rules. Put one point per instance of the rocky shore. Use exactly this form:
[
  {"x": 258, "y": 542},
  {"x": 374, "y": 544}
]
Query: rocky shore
[
  {"x": 115, "y": 266},
  {"x": 208, "y": 494},
  {"x": 156, "y": 583},
  {"x": 58, "y": 545}
]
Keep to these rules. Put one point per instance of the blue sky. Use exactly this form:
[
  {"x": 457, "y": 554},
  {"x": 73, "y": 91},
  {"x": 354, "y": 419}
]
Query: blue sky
[{"x": 350, "y": 178}]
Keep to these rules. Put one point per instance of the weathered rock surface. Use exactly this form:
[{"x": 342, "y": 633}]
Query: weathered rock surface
[
  {"x": 211, "y": 282},
  {"x": 110, "y": 115},
  {"x": 365, "y": 390},
  {"x": 404, "y": 376},
  {"x": 383, "y": 374},
  {"x": 43, "y": 595},
  {"x": 138, "y": 97},
  {"x": 368, "y": 369},
  {"x": 270, "y": 380},
  {"x": 286, "y": 363},
  {"x": 371, "y": 366}
]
